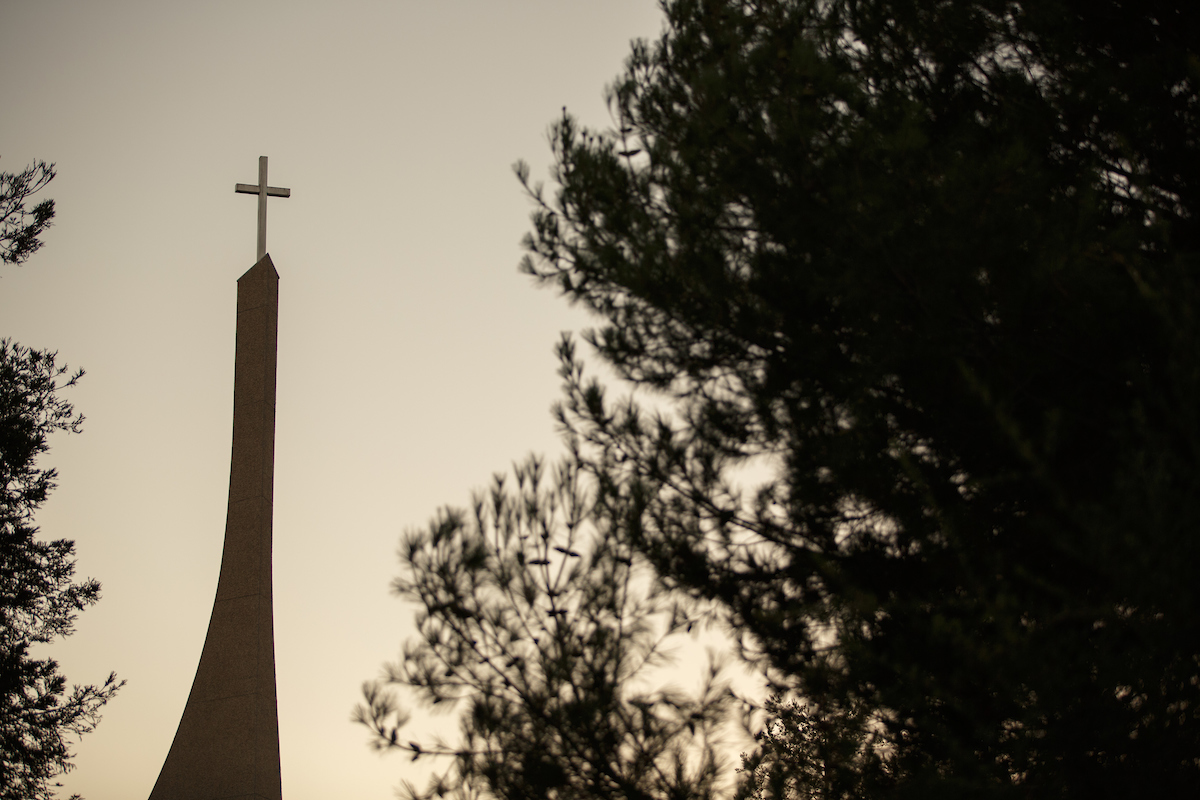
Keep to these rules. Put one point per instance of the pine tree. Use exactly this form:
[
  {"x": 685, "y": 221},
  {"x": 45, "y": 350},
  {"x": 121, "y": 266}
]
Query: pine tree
[
  {"x": 39, "y": 598},
  {"x": 932, "y": 268},
  {"x": 936, "y": 265},
  {"x": 20, "y": 228},
  {"x": 540, "y": 623}
]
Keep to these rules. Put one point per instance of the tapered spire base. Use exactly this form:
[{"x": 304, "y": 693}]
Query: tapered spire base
[{"x": 227, "y": 744}]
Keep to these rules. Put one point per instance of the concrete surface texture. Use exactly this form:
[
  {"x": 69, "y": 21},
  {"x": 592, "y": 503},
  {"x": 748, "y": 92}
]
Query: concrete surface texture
[{"x": 227, "y": 744}]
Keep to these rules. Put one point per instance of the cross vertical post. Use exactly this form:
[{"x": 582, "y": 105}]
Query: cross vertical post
[
  {"x": 262, "y": 208},
  {"x": 263, "y": 191}
]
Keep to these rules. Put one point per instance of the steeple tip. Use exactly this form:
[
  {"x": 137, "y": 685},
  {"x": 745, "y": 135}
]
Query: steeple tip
[{"x": 264, "y": 267}]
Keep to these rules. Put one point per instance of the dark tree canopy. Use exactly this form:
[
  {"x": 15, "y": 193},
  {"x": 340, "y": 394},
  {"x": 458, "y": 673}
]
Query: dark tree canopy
[
  {"x": 933, "y": 268},
  {"x": 39, "y": 599},
  {"x": 937, "y": 265},
  {"x": 21, "y": 227},
  {"x": 533, "y": 615}
]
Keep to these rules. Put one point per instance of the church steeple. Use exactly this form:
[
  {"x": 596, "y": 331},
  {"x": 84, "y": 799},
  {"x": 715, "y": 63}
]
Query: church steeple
[{"x": 227, "y": 744}]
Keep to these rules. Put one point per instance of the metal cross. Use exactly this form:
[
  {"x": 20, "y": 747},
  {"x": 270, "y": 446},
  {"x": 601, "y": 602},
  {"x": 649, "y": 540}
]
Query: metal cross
[{"x": 263, "y": 191}]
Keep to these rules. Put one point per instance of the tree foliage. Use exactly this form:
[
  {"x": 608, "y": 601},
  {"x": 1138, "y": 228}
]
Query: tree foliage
[
  {"x": 935, "y": 264},
  {"x": 534, "y": 617},
  {"x": 39, "y": 598},
  {"x": 20, "y": 228},
  {"x": 932, "y": 268}
]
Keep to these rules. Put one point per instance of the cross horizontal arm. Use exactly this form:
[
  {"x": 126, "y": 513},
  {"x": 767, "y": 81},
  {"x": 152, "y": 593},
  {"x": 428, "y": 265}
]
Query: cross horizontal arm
[
  {"x": 263, "y": 191},
  {"x": 272, "y": 191}
]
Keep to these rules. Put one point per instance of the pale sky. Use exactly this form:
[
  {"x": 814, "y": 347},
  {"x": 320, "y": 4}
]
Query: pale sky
[{"x": 414, "y": 360}]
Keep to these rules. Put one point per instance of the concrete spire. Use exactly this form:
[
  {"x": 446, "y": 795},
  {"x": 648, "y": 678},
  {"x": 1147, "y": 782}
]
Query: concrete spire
[{"x": 227, "y": 745}]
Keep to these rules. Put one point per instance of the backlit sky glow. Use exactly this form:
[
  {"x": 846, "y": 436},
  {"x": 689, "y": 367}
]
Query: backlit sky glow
[{"x": 414, "y": 360}]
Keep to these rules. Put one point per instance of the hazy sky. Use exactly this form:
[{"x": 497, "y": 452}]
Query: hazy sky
[{"x": 414, "y": 360}]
